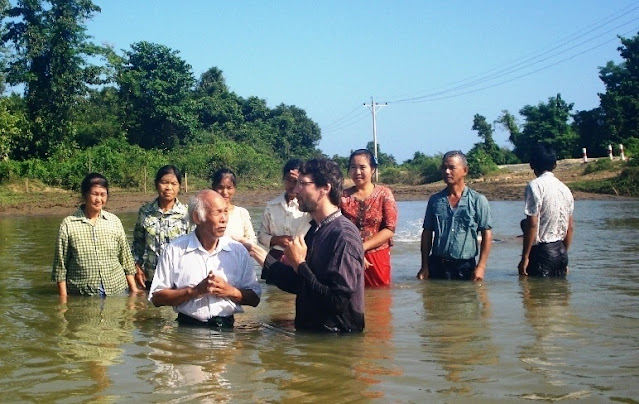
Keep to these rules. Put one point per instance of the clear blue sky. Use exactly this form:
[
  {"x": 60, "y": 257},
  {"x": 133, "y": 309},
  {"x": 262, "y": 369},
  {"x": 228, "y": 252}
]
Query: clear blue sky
[{"x": 330, "y": 57}]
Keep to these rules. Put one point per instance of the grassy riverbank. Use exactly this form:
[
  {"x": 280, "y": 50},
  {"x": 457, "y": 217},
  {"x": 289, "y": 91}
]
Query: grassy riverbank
[{"x": 599, "y": 179}]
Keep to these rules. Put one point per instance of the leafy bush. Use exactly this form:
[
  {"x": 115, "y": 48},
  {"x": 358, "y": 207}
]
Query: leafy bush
[
  {"x": 602, "y": 164},
  {"x": 480, "y": 163},
  {"x": 400, "y": 175}
]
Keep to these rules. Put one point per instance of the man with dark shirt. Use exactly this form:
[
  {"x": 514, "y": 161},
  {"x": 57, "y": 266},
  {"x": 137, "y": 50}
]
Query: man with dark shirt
[{"x": 325, "y": 269}]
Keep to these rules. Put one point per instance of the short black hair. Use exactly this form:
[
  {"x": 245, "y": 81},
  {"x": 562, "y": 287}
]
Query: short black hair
[
  {"x": 455, "y": 153},
  {"x": 324, "y": 172},
  {"x": 168, "y": 169},
  {"x": 292, "y": 164},
  {"x": 93, "y": 179},
  {"x": 542, "y": 157},
  {"x": 218, "y": 176}
]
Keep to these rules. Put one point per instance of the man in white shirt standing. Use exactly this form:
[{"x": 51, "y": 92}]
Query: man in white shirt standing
[
  {"x": 205, "y": 276},
  {"x": 282, "y": 220},
  {"x": 549, "y": 219}
]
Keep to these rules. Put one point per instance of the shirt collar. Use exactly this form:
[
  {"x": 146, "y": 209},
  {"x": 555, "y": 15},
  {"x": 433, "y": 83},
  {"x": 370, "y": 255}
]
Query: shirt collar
[
  {"x": 176, "y": 206},
  {"x": 79, "y": 214},
  {"x": 194, "y": 244}
]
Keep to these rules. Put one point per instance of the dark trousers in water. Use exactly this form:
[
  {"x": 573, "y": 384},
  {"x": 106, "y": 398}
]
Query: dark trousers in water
[
  {"x": 548, "y": 260},
  {"x": 214, "y": 322},
  {"x": 444, "y": 268}
]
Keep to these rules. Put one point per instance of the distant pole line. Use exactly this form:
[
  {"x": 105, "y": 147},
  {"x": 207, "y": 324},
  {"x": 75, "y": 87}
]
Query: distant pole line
[{"x": 373, "y": 106}]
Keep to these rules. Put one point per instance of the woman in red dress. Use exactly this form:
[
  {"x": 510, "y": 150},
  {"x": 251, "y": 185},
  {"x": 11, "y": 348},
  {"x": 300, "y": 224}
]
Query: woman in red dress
[{"x": 373, "y": 210}]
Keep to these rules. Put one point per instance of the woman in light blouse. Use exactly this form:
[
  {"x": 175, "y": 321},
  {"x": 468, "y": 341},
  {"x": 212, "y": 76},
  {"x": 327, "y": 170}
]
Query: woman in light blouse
[{"x": 239, "y": 225}]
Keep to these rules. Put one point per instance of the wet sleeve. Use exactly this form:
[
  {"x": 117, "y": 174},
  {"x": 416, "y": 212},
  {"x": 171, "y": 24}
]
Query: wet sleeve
[
  {"x": 484, "y": 217},
  {"x": 126, "y": 259},
  {"x": 389, "y": 211},
  {"x": 139, "y": 239},
  {"x": 281, "y": 275},
  {"x": 59, "y": 272},
  {"x": 265, "y": 233}
]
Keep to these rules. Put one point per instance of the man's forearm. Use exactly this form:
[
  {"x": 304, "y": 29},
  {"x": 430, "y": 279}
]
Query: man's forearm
[
  {"x": 426, "y": 246},
  {"x": 485, "y": 247},
  {"x": 529, "y": 235},
  {"x": 173, "y": 297}
]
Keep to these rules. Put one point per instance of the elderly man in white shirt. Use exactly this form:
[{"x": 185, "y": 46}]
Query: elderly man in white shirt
[
  {"x": 282, "y": 220},
  {"x": 204, "y": 275}
]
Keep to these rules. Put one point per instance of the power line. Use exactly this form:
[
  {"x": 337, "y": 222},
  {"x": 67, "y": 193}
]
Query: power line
[
  {"x": 513, "y": 78},
  {"x": 522, "y": 63},
  {"x": 513, "y": 69}
]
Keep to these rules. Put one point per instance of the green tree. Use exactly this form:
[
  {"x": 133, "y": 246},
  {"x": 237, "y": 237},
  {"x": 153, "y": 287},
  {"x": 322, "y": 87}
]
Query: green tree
[
  {"x": 485, "y": 132},
  {"x": 211, "y": 82},
  {"x": 155, "y": 92},
  {"x": 620, "y": 102},
  {"x": 591, "y": 131},
  {"x": 547, "y": 123},
  {"x": 509, "y": 123},
  {"x": 49, "y": 56},
  {"x": 12, "y": 125},
  {"x": 296, "y": 134},
  {"x": 98, "y": 117}
]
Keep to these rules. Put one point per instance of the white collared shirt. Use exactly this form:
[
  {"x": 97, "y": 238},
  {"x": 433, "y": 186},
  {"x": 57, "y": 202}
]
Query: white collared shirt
[
  {"x": 549, "y": 199},
  {"x": 185, "y": 262},
  {"x": 282, "y": 219}
]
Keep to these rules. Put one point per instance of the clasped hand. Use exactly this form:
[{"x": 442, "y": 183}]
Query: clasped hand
[{"x": 215, "y": 285}]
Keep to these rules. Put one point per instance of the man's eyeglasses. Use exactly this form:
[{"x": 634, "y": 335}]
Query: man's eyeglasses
[{"x": 304, "y": 183}]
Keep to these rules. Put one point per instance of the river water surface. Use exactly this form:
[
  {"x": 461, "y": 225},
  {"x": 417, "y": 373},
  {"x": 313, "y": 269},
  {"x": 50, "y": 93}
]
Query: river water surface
[{"x": 504, "y": 340}]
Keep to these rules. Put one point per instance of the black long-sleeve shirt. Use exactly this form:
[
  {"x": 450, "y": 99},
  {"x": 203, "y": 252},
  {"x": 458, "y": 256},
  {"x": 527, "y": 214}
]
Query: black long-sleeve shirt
[{"x": 330, "y": 284}]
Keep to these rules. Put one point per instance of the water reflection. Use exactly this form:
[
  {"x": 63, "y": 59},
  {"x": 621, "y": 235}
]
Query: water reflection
[
  {"x": 504, "y": 341},
  {"x": 547, "y": 309},
  {"x": 91, "y": 333},
  {"x": 456, "y": 332}
]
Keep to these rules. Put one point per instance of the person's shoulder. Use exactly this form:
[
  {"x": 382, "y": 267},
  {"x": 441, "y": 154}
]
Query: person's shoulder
[
  {"x": 111, "y": 216},
  {"x": 384, "y": 191},
  {"x": 443, "y": 194},
  {"x": 233, "y": 246},
  {"x": 348, "y": 192},
  {"x": 242, "y": 211},
  {"x": 180, "y": 206},
  {"x": 276, "y": 201},
  {"x": 343, "y": 225},
  {"x": 476, "y": 194}
]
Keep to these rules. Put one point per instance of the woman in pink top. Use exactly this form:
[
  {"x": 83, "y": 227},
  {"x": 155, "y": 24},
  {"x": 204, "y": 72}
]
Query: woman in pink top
[{"x": 373, "y": 210}]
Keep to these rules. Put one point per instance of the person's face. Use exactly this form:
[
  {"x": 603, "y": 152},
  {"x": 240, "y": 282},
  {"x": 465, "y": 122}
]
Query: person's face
[
  {"x": 168, "y": 187},
  {"x": 290, "y": 182},
  {"x": 96, "y": 198},
  {"x": 226, "y": 189},
  {"x": 214, "y": 222},
  {"x": 360, "y": 170},
  {"x": 308, "y": 194},
  {"x": 453, "y": 171}
]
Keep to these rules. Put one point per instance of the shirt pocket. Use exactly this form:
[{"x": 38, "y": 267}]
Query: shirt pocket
[{"x": 464, "y": 221}]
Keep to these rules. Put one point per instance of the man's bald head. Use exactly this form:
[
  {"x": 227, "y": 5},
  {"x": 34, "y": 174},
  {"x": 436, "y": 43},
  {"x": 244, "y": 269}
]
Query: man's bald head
[{"x": 201, "y": 202}]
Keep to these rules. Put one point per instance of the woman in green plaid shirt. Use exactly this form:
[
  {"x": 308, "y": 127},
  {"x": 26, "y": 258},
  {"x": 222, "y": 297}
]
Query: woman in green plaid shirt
[
  {"x": 92, "y": 256},
  {"x": 159, "y": 223}
]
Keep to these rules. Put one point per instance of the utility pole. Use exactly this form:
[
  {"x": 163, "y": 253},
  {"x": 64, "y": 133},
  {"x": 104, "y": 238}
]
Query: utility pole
[{"x": 373, "y": 106}]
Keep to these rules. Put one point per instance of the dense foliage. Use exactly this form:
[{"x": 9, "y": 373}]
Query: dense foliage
[{"x": 84, "y": 107}]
